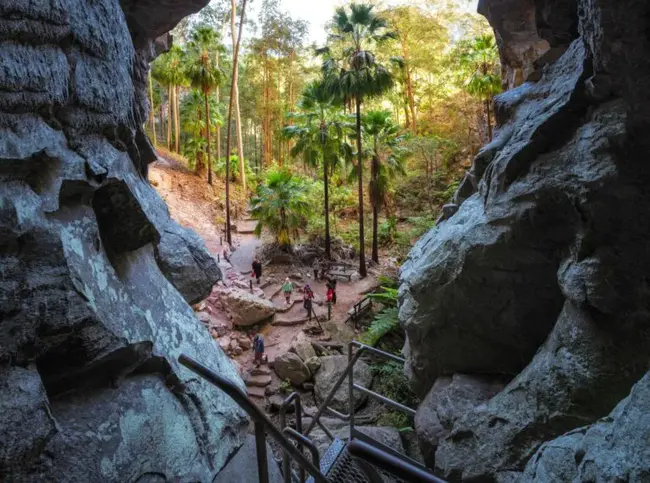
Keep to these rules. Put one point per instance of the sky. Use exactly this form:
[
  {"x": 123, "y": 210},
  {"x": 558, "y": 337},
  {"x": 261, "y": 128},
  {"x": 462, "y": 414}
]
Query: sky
[{"x": 318, "y": 12}]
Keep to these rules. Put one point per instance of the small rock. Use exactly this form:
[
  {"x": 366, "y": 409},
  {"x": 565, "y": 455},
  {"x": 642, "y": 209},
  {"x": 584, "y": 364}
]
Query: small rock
[
  {"x": 319, "y": 349},
  {"x": 238, "y": 351},
  {"x": 245, "y": 343},
  {"x": 233, "y": 344},
  {"x": 275, "y": 403},
  {"x": 313, "y": 364},
  {"x": 295, "y": 276},
  {"x": 204, "y": 317},
  {"x": 308, "y": 386}
]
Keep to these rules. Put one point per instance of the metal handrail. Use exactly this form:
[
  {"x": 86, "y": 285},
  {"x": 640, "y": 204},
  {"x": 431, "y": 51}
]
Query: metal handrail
[
  {"x": 262, "y": 423},
  {"x": 292, "y": 433},
  {"x": 390, "y": 463},
  {"x": 348, "y": 373}
]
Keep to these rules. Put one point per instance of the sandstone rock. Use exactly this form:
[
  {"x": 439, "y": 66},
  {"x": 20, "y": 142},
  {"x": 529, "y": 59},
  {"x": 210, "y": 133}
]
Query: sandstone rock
[
  {"x": 313, "y": 363},
  {"x": 290, "y": 367},
  {"x": 613, "y": 449},
  {"x": 448, "y": 400},
  {"x": 539, "y": 272},
  {"x": 96, "y": 277},
  {"x": 243, "y": 468},
  {"x": 330, "y": 370},
  {"x": 245, "y": 343},
  {"x": 186, "y": 263},
  {"x": 304, "y": 350},
  {"x": 308, "y": 386},
  {"x": 244, "y": 308}
]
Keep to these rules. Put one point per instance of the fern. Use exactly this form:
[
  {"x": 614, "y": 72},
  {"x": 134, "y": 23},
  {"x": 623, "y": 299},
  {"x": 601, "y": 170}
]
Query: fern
[{"x": 385, "y": 322}]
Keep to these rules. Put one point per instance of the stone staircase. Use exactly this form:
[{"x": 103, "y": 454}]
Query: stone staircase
[{"x": 256, "y": 380}]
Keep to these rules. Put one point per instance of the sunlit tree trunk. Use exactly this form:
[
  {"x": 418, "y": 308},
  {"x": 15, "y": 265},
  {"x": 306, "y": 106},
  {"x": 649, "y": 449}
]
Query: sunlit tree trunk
[
  {"x": 362, "y": 239},
  {"x": 375, "y": 209},
  {"x": 207, "y": 137},
  {"x": 177, "y": 123},
  {"x": 218, "y": 129},
  {"x": 228, "y": 126},
  {"x": 235, "y": 80},
  {"x": 152, "y": 118},
  {"x": 170, "y": 102}
]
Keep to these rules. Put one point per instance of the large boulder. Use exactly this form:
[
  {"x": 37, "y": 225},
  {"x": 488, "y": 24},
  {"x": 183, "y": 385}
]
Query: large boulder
[
  {"x": 245, "y": 308},
  {"x": 304, "y": 349},
  {"x": 290, "y": 367},
  {"x": 541, "y": 273},
  {"x": 447, "y": 401},
  {"x": 93, "y": 304},
  {"x": 331, "y": 368},
  {"x": 186, "y": 263}
]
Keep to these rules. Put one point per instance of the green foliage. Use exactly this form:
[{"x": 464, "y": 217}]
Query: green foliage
[
  {"x": 281, "y": 206},
  {"x": 220, "y": 169},
  {"x": 391, "y": 382},
  {"x": 388, "y": 232},
  {"x": 384, "y": 323},
  {"x": 285, "y": 386}
]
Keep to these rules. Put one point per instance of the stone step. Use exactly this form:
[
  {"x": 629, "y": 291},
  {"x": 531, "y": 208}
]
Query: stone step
[
  {"x": 282, "y": 322},
  {"x": 258, "y": 381},
  {"x": 256, "y": 392},
  {"x": 260, "y": 371}
]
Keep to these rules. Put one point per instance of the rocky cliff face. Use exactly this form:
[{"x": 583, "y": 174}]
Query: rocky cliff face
[
  {"x": 95, "y": 278},
  {"x": 540, "y": 276}
]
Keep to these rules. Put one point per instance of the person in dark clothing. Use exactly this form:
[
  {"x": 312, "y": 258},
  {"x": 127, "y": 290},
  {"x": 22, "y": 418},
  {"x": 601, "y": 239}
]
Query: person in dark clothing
[
  {"x": 258, "y": 349},
  {"x": 257, "y": 270},
  {"x": 331, "y": 290},
  {"x": 308, "y": 297}
]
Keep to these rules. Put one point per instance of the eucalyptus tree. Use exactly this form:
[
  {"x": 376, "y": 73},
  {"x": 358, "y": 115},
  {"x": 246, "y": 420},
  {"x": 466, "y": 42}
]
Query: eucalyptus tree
[
  {"x": 204, "y": 75},
  {"x": 319, "y": 133},
  {"x": 352, "y": 71}
]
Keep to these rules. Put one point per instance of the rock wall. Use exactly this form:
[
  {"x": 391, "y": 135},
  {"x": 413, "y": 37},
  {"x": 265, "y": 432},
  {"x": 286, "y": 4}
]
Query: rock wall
[
  {"x": 95, "y": 278},
  {"x": 539, "y": 272}
]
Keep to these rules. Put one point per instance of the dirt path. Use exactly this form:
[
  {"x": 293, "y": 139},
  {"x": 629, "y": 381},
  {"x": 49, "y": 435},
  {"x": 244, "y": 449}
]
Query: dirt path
[{"x": 195, "y": 204}]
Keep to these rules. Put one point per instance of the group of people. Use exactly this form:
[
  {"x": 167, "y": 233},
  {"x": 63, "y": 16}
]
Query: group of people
[{"x": 287, "y": 290}]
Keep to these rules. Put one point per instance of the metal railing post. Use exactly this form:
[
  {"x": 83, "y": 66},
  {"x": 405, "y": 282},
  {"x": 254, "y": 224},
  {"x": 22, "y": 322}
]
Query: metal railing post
[
  {"x": 259, "y": 417},
  {"x": 260, "y": 447},
  {"x": 351, "y": 390}
]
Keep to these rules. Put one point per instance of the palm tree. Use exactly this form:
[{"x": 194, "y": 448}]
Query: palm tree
[
  {"x": 386, "y": 151},
  {"x": 281, "y": 206},
  {"x": 480, "y": 56},
  {"x": 357, "y": 75},
  {"x": 203, "y": 75},
  {"x": 169, "y": 70},
  {"x": 320, "y": 138}
]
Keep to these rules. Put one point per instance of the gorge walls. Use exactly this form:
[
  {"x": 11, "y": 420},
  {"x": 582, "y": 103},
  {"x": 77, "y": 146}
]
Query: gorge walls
[
  {"x": 539, "y": 279},
  {"x": 95, "y": 278}
]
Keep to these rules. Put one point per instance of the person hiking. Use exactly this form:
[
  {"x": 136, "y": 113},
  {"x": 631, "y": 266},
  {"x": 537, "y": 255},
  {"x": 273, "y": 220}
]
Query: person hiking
[
  {"x": 287, "y": 289},
  {"x": 308, "y": 297},
  {"x": 331, "y": 291},
  {"x": 257, "y": 270},
  {"x": 258, "y": 349}
]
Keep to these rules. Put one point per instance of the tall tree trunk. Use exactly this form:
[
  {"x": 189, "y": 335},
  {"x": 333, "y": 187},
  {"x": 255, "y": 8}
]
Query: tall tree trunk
[
  {"x": 230, "y": 105},
  {"x": 375, "y": 208},
  {"x": 218, "y": 128},
  {"x": 326, "y": 186},
  {"x": 177, "y": 122},
  {"x": 162, "y": 123},
  {"x": 170, "y": 102},
  {"x": 362, "y": 239},
  {"x": 152, "y": 118},
  {"x": 235, "y": 80},
  {"x": 207, "y": 136}
]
